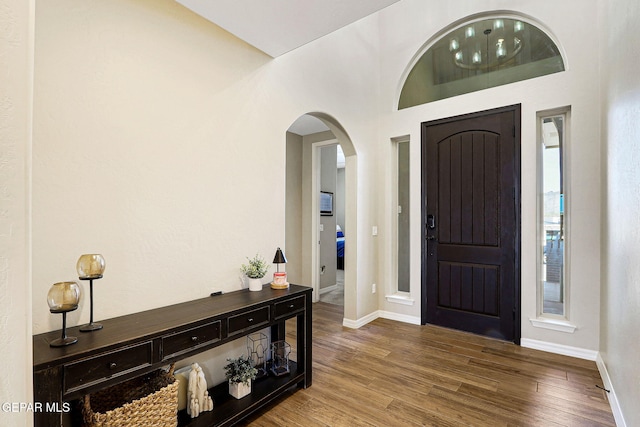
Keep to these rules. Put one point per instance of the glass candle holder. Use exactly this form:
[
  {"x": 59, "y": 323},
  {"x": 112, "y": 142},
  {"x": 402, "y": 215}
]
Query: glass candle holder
[
  {"x": 90, "y": 267},
  {"x": 63, "y": 297}
]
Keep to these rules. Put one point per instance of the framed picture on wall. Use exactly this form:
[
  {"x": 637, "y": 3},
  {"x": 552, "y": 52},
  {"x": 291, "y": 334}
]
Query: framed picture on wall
[{"x": 326, "y": 203}]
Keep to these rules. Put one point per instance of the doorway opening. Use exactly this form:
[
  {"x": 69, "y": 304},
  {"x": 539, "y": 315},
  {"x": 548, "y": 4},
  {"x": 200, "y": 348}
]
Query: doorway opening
[{"x": 321, "y": 202}]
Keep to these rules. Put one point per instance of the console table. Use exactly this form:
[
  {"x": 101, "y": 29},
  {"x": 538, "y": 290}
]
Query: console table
[{"x": 135, "y": 344}]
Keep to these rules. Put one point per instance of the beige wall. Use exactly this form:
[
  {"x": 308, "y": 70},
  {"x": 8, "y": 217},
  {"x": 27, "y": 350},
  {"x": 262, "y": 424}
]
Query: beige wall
[
  {"x": 340, "y": 199},
  {"x": 16, "y": 85},
  {"x": 159, "y": 140},
  {"x": 293, "y": 214},
  {"x": 620, "y": 311},
  {"x": 328, "y": 182}
]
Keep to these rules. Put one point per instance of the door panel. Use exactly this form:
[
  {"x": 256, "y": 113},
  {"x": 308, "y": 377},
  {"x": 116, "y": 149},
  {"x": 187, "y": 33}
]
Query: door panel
[{"x": 470, "y": 256}]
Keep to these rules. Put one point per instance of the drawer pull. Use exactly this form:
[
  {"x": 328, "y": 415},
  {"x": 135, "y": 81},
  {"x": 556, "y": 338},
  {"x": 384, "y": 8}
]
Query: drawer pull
[
  {"x": 250, "y": 319},
  {"x": 291, "y": 306},
  {"x": 194, "y": 339},
  {"x": 112, "y": 365}
]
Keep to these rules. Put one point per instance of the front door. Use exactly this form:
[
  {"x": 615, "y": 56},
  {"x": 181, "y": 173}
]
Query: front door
[{"x": 471, "y": 244}]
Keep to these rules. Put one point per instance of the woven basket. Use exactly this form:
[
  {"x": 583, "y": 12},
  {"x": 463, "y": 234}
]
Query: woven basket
[{"x": 150, "y": 400}]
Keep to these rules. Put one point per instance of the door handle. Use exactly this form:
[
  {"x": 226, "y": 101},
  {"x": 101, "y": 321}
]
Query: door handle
[{"x": 431, "y": 222}]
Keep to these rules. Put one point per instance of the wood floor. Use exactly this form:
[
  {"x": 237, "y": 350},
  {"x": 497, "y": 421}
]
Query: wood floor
[{"x": 390, "y": 373}]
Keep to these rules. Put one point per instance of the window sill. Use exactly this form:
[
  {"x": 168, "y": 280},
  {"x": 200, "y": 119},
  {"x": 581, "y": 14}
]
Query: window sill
[
  {"x": 554, "y": 325},
  {"x": 400, "y": 299}
]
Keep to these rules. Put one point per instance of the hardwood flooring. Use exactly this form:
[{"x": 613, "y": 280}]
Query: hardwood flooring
[{"x": 389, "y": 373}]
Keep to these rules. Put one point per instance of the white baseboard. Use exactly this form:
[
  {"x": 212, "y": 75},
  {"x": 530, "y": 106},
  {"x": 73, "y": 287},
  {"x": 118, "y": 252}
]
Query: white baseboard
[
  {"x": 588, "y": 355},
  {"x": 399, "y": 317},
  {"x": 328, "y": 289},
  {"x": 566, "y": 350},
  {"x": 613, "y": 399},
  {"x": 355, "y": 324}
]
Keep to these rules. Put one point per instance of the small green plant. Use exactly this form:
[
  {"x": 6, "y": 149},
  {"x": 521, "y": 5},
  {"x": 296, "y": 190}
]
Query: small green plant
[
  {"x": 240, "y": 370},
  {"x": 256, "y": 269}
]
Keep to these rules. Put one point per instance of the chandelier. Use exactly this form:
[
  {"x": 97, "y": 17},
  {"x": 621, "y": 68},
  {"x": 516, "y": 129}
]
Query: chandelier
[{"x": 496, "y": 45}]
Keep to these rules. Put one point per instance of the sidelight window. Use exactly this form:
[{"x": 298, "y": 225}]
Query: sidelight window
[
  {"x": 552, "y": 251},
  {"x": 402, "y": 192}
]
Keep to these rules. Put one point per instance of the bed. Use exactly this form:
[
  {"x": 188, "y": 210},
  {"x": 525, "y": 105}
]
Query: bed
[{"x": 340, "y": 247}]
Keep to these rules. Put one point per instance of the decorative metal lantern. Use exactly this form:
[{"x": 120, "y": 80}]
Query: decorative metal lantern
[
  {"x": 280, "y": 351},
  {"x": 258, "y": 348}
]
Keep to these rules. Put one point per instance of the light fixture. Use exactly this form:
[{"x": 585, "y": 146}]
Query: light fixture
[
  {"x": 454, "y": 45},
  {"x": 279, "y": 277},
  {"x": 90, "y": 267},
  {"x": 501, "y": 48},
  {"x": 472, "y": 52},
  {"x": 63, "y": 297},
  {"x": 470, "y": 32},
  {"x": 518, "y": 26}
]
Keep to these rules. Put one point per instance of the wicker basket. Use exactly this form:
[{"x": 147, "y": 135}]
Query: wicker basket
[{"x": 150, "y": 400}]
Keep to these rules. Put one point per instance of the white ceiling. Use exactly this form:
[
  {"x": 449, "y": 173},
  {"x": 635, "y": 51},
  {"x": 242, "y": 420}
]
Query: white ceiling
[{"x": 279, "y": 26}]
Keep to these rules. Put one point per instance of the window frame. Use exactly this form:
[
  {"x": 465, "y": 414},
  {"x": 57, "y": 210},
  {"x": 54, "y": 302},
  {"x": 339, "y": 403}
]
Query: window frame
[
  {"x": 564, "y": 147},
  {"x": 394, "y": 295}
]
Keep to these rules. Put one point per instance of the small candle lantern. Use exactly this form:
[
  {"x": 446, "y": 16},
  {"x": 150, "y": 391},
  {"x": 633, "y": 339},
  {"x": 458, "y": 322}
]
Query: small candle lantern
[
  {"x": 63, "y": 297},
  {"x": 90, "y": 267},
  {"x": 279, "y": 277},
  {"x": 280, "y": 351},
  {"x": 258, "y": 348}
]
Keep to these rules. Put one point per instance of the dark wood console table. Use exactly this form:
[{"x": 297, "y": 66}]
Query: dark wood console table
[{"x": 133, "y": 345}]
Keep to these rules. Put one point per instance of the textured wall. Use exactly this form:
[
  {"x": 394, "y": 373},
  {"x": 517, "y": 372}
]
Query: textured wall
[
  {"x": 16, "y": 67},
  {"x": 328, "y": 182},
  {"x": 293, "y": 220},
  {"x": 620, "y": 340},
  {"x": 159, "y": 141}
]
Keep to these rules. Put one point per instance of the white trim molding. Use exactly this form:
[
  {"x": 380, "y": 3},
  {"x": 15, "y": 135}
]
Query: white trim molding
[
  {"x": 565, "y": 350},
  {"x": 355, "y": 324},
  {"x": 328, "y": 289},
  {"x": 613, "y": 399},
  {"x": 553, "y": 324},
  {"x": 413, "y": 320},
  {"x": 400, "y": 299}
]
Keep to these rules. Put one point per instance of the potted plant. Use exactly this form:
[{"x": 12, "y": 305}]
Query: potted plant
[
  {"x": 240, "y": 372},
  {"x": 255, "y": 271}
]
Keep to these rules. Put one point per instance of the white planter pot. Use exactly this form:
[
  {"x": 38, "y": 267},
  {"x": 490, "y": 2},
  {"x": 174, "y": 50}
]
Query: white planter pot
[
  {"x": 239, "y": 390},
  {"x": 255, "y": 284}
]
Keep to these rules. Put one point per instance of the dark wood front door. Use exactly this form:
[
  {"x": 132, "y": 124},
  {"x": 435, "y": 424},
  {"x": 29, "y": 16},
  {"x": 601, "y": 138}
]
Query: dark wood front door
[{"x": 471, "y": 220}]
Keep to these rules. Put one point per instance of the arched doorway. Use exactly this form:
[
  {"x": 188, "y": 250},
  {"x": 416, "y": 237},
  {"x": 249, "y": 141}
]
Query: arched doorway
[{"x": 305, "y": 139}]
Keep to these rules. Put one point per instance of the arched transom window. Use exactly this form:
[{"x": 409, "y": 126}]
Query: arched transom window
[{"x": 479, "y": 55}]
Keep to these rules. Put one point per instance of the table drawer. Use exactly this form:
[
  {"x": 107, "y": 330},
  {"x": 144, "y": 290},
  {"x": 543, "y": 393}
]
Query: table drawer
[
  {"x": 244, "y": 321},
  {"x": 190, "y": 339},
  {"x": 289, "y": 306},
  {"x": 102, "y": 367}
]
